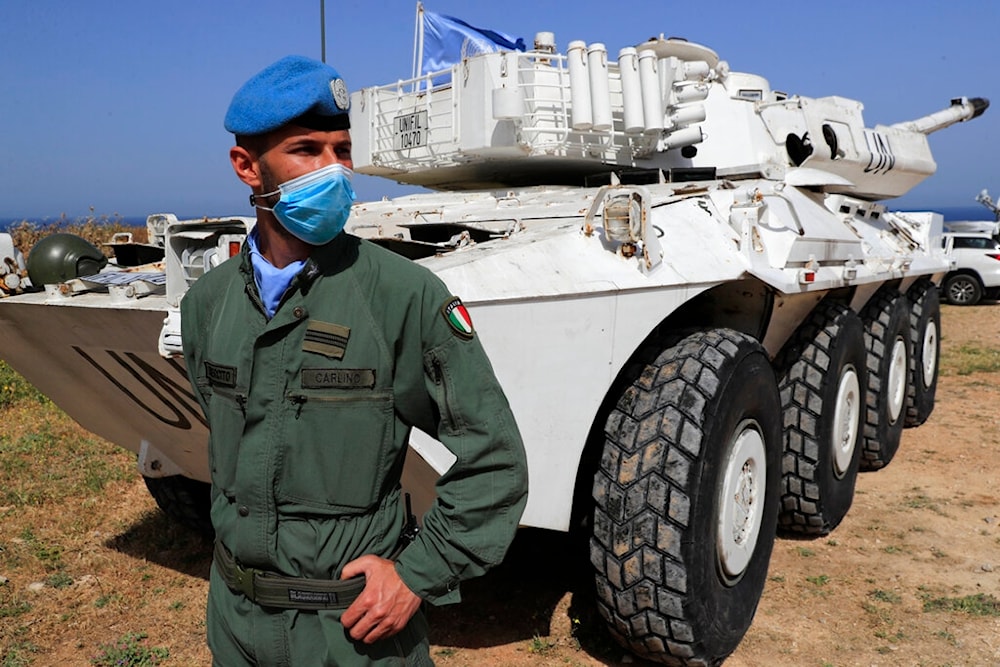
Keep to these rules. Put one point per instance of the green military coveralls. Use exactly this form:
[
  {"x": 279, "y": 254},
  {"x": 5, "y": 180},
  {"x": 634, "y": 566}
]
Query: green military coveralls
[{"x": 310, "y": 414}]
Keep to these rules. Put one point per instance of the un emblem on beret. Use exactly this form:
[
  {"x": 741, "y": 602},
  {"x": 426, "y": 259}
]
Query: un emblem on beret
[{"x": 340, "y": 96}]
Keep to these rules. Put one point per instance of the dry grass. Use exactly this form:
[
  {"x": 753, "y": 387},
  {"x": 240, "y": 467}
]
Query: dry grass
[
  {"x": 96, "y": 229},
  {"x": 89, "y": 566},
  {"x": 92, "y": 570}
]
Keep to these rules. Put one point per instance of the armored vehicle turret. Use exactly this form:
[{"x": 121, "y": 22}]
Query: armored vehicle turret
[
  {"x": 704, "y": 319},
  {"x": 667, "y": 105}
]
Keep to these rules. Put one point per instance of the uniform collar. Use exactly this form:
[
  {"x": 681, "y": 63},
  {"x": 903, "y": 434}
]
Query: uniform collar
[{"x": 325, "y": 260}]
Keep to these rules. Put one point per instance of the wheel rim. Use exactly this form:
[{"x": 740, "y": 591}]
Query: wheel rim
[
  {"x": 846, "y": 416},
  {"x": 897, "y": 379},
  {"x": 742, "y": 501},
  {"x": 961, "y": 291},
  {"x": 929, "y": 353}
]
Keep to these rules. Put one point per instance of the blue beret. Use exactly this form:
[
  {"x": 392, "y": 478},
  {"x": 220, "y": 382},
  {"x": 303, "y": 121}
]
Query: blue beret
[{"x": 295, "y": 88}]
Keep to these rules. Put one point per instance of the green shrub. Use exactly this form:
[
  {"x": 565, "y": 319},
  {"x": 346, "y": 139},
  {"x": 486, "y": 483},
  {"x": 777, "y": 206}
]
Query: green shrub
[
  {"x": 128, "y": 652},
  {"x": 980, "y": 604}
]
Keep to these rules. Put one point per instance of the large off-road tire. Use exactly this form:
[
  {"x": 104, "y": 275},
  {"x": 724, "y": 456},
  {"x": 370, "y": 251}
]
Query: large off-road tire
[
  {"x": 185, "y": 500},
  {"x": 925, "y": 341},
  {"x": 686, "y": 499},
  {"x": 821, "y": 380},
  {"x": 963, "y": 289},
  {"x": 887, "y": 338}
]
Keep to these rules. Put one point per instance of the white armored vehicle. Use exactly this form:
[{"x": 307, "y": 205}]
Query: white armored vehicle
[{"x": 705, "y": 322}]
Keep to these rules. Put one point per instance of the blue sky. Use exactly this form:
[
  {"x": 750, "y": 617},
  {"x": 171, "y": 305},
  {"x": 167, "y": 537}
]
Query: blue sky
[{"x": 117, "y": 107}]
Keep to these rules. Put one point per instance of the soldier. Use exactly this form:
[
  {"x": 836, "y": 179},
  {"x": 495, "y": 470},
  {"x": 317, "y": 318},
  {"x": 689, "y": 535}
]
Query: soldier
[{"x": 313, "y": 353}]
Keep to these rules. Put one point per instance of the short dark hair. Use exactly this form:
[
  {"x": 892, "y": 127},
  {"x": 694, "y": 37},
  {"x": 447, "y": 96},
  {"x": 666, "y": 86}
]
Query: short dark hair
[{"x": 254, "y": 143}]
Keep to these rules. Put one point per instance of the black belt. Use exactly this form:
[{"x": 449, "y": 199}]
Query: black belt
[{"x": 274, "y": 590}]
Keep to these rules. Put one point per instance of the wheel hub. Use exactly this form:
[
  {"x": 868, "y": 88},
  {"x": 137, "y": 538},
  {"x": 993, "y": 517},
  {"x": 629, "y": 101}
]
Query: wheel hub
[
  {"x": 929, "y": 353},
  {"x": 897, "y": 379},
  {"x": 742, "y": 502},
  {"x": 961, "y": 291},
  {"x": 846, "y": 417}
]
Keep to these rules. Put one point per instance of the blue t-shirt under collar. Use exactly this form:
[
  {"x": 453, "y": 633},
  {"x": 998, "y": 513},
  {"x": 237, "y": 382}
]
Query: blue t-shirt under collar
[{"x": 271, "y": 282}]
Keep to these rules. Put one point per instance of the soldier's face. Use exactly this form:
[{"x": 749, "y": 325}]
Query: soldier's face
[{"x": 293, "y": 151}]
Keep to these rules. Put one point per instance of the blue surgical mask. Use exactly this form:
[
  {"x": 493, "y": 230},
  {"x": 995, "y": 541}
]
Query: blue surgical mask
[{"x": 314, "y": 207}]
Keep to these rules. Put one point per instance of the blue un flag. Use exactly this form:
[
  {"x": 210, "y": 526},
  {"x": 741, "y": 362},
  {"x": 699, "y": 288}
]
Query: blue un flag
[{"x": 446, "y": 40}]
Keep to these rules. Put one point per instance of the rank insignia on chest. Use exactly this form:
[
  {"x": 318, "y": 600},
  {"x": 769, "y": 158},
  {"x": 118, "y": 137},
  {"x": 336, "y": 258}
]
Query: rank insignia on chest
[
  {"x": 457, "y": 317},
  {"x": 327, "y": 339}
]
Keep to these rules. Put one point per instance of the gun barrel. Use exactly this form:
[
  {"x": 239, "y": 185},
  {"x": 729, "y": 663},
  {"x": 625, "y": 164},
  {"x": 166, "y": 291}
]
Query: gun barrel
[
  {"x": 961, "y": 109},
  {"x": 987, "y": 201}
]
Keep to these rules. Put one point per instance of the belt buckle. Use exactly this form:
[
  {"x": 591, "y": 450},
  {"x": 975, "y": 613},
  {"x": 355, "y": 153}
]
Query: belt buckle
[{"x": 244, "y": 580}]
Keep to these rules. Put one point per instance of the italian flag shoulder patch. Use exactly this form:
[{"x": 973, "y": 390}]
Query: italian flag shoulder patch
[{"x": 457, "y": 317}]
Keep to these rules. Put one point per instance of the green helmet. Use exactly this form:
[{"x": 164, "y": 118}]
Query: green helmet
[{"x": 61, "y": 257}]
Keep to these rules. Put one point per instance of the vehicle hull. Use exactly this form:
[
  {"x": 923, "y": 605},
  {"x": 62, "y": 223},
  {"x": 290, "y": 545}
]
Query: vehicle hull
[{"x": 101, "y": 366}]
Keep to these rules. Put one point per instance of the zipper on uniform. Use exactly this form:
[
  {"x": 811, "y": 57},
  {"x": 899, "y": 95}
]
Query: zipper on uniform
[
  {"x": 301, "y": 399},
  {"x": 255, "y": 299},
  {"x": 237, "y": 397},
  {"x": 438, "y": 377}
]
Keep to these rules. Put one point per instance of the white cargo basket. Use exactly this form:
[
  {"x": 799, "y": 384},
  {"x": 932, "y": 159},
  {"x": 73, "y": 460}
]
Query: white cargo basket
[{"x": 578, "y": 109}]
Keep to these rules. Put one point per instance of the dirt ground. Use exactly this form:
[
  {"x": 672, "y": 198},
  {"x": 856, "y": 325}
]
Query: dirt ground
[{"x": 922, "y": 532}]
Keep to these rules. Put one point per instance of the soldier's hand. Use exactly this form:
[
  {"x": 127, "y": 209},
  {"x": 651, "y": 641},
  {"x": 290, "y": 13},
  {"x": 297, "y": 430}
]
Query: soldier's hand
[{"x": 384, "y": 607}]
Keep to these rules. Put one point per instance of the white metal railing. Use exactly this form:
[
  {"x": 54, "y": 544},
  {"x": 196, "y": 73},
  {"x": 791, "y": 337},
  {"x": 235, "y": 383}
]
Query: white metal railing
[
  {"x": 550, "y": 94},
  {"x": 419, "y": 100}
]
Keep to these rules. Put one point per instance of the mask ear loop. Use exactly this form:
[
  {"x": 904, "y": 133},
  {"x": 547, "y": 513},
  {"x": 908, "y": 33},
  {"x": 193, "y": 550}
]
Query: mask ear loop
[{"x": 253, "y": 199}]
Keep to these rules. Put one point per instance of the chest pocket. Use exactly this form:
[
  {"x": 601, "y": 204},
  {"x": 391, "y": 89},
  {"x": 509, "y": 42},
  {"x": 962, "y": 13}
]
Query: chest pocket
[
  {"x": 227, "y": 416},
  {"x": 338, "y": 449}
]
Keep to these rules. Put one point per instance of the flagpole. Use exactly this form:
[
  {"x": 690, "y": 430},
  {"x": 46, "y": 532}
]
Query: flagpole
[
  {"x": 418, "y": 39},
  {"x": 322, "y": 29}
]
